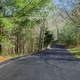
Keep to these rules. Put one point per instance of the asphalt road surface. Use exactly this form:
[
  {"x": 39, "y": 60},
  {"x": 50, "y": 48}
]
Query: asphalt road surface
[{"x": 57, "y": 64}]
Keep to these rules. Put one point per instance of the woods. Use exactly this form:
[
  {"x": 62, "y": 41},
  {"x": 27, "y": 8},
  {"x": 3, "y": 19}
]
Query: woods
[{"x": 18, "y": 22}]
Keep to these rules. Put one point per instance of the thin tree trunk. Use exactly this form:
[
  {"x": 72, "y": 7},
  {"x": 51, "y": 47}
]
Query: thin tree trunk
[
  {"x": 41, "y": 38},
  {"x": 16, "y": 44},
  {"x": 1, "y": 32},
  {"x": 0, "y": 48}
]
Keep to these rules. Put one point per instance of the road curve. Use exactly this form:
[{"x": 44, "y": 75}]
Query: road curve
[{"x": 38, "y": 67}]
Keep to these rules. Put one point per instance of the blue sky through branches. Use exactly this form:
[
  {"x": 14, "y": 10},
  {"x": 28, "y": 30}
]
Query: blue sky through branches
[{"x": 67, "y": 4}]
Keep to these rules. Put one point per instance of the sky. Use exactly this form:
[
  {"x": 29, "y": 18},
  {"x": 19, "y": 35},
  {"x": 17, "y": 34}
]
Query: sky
[{"x": 67, "y": 4}]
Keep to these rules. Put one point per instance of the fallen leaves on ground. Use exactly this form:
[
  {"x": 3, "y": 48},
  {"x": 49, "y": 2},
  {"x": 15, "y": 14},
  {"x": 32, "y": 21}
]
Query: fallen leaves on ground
[{"x": 3, "y": 58}]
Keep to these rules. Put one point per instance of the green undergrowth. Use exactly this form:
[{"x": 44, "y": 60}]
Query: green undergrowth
[{"x": 75, "y": 51}]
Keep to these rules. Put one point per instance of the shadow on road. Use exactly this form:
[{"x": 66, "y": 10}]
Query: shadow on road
[{"x": 58, "y": 52}]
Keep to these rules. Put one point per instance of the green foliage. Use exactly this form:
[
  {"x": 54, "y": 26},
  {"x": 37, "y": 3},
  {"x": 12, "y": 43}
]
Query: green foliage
[
  {"x": 6, "y": 23},
  {"x": 6, "y": 45},
  {"x": 68, "y": 35},
  {"x": 27, "y": 23},
  {"x": 48, "y": 37},
  {"x": 17, "y": 22}
]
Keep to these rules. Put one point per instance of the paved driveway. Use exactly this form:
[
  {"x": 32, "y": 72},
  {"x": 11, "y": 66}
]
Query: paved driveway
[{"x": 56, "y": 64}]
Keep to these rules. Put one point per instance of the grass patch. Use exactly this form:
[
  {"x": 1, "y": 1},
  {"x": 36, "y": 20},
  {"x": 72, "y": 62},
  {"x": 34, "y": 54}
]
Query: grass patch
[{"x": 75, "y": 52}]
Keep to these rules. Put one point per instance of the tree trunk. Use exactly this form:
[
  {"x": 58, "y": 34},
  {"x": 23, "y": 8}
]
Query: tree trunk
[
  {"x": 42, "y": 34},
  {"x": 0, "y": 49},
  {"x": 16, "y": 44},
  {"x": 1, "y": 32}
]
